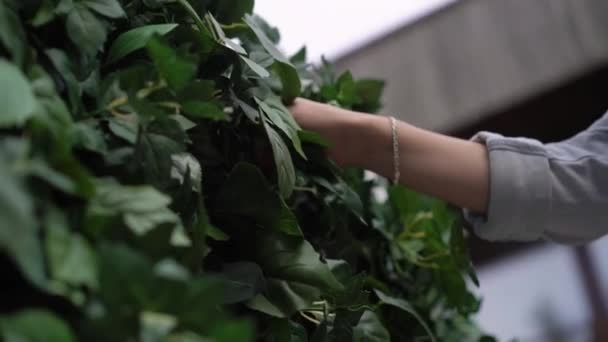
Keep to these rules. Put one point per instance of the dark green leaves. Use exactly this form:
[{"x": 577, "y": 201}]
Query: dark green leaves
[
  {"x": 265, "y": 41},
  {"x": 174, "y": 66},
  {"x": 71, "y": 258},
  {"x": 35, "y": 326},
  {"x": 142, "y": 209},
  {"x": 241, "y": 281},
  {"x": 136, "y": 39},
  {"x": 279, "y": 116},
  {"x": 85, "y": 30},
  {"x": 285, "y": 171},
  {"x": 107, "y": 8},
  {"x": 17, "y": 98},
  {"x": 293, "y": 259},
  {"x": 221, "y": 37},
  {"x": 12, "y": 35},
  {"x": 295, "y": 275},
  {"x": 204, "y": 110},
  {"x": 369, "y": 93},
  {"x": 155, "y": 147},
  {"x": 18, "y": 228},
  {"x": 246, "y": 194},
  {"x": 460, "y": 252},
  {"x": 276, "y": 114},
  {"x": 255, "y": 67},
  {"x": 370, "y": 329},
  {"x": 283, "y": 67},
  {"x": 406, "y": 307}
]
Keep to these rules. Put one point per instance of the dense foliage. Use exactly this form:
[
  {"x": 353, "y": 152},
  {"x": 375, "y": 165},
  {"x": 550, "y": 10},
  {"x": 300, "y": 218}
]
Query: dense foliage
[{"x": 154, "y": 187}]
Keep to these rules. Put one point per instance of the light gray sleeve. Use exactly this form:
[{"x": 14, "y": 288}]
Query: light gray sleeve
[{"x": 555, "y": 191}]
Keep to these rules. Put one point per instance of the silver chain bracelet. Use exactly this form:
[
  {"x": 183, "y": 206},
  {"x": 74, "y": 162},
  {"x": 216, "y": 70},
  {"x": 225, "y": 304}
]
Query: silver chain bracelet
[{"x": 396, "y": 155}]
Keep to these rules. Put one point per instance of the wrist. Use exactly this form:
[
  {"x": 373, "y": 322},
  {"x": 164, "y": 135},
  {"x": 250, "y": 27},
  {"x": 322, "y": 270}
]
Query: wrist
[{"x": 371, "y": 143}]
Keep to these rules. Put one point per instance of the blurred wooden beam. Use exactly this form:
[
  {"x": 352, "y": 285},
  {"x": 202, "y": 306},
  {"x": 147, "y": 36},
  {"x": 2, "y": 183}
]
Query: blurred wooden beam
[{"x": 477, "y": 57}]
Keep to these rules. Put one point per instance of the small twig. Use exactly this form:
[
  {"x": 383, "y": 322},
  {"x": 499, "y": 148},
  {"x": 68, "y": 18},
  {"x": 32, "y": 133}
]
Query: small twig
[
  {"x": 145, "y": 92},
  {"x": 172, "y": 105},
  {"x": 305, "y": 189},
  {"x": 310, "y": 319},
  {"x": 117, "y": 102}
]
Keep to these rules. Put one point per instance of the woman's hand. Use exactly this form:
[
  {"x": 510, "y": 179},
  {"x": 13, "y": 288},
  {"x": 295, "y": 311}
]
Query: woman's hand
[{"x": 347, "y": 132}]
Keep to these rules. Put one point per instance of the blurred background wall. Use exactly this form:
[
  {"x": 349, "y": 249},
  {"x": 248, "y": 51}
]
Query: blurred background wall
[{"x": 521, "y": 68}]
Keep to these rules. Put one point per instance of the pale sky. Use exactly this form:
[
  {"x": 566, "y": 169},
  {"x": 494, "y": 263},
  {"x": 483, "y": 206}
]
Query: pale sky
[{"x": 334, "y": 27}]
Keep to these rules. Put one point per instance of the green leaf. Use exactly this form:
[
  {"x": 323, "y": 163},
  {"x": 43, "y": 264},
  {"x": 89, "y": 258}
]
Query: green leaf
[
  {"x": 370, "y": 329},
  {"x": 265, "y": 41},
  {"x": 142, "y": 208},
  {"x": 262, "y": 304},
  {"x": 282, "y": 158},
  {"x": 313, "y": 138},
  {"x": 293, "y": 259},
  {"x": 300, "y": 56},
  {"x": 71, "y": 258},
  {"x": 65, "y": 67},
  {"x": 204, "y": 110},
  {"x": 292, "y": 85},
  {"x": 346, "y": 90},
  {"x": 460, "y": 252},
  {"x": 283, "y": 67},
  {"x": 283, "y": 298},
  {"x": 247, "y": 194},
  {"x": 12, "y": 35},
  {"x": 124, "y": 128},
  {"x": 370, "y": 94},
  {"x": 45, "y": 13},
  {"x": 455, "y": 288},
  {"x": 85, "y": 30},
  {"x": 255, "y": 67},
  {"x": 186, "y": 165},
  {"x": 173, "y": 66},
  {"x": 406, "y": 307},
  {"x": 198, "y": 90},
  {"x": 127, "y": 280},
  {"x": 35, "y": 326},
  {"x": 281, "y": 117},
  {"x": 17, "y": 98},
  {"x": 39, "y": 168},
  {"x": 136, "y": 39},
  {"x": 64, "y": 7},
  {"x": 343, "y": 194},
  {"x": 241, "y": 281},
  {"x": 221, "y": 36},
  {"x": 153, "y": 156},
  {"x": 251, "y": 113},
  {"x": 290, "y": 297},
  {"x": 18, "y": 228},
  {"x": 237, "y": 331},
  {"x": 344, "y": 324},
  {"x": 107, "y": 8},
  {"x": 321, "y": 334},
  {"x": 156, "y": 326},
  {"x": 88, "y": 135}
]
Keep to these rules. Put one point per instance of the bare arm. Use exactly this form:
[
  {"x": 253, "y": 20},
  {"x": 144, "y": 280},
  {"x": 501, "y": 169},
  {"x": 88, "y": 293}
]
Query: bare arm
[{"x": 454, "y": 170}]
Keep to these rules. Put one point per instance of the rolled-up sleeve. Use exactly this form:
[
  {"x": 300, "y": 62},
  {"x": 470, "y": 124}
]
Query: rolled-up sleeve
[{"x": 555, "y": 191}]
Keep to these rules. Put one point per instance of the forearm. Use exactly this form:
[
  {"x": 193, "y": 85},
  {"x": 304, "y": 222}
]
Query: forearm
[{"x": 452, "y": 169}]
